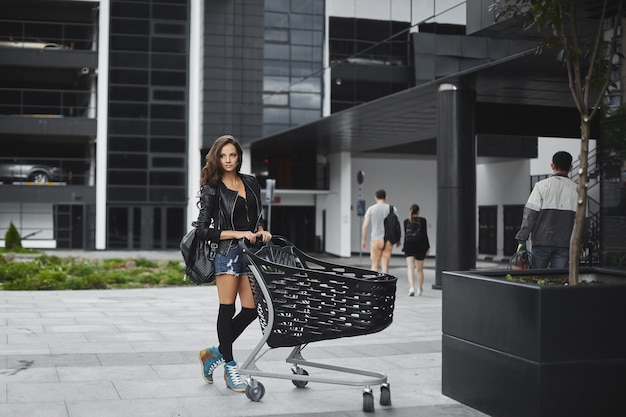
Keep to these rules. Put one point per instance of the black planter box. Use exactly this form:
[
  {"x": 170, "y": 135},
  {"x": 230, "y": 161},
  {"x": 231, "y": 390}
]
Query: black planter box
[{"x": 517, "y": 349}]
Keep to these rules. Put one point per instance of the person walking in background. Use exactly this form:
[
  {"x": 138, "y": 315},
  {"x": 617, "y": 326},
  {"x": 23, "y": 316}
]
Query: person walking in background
[
  {"x": 416, "y": 248},
  {"x": 230, "y": 209},
  {"x": 549, "y": 215},
  {"x": 380, "y": 250}
]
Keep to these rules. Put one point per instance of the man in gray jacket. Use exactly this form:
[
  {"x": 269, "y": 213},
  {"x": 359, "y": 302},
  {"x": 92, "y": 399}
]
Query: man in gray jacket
[{"x": 549, "y": 216}]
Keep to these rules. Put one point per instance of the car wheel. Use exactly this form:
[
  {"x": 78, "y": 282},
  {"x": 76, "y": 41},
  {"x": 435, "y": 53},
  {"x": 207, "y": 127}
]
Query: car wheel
[{"x": 39, "y": 177}]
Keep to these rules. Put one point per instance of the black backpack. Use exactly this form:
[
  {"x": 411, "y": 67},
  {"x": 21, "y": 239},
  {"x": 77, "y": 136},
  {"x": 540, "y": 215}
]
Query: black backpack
[
  {"x": 393, "y": 231},
  {"x": 413, "y": 232}
]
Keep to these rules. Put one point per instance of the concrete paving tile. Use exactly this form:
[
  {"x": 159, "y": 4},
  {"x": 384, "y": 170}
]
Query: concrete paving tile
[
  {"x": 24, "y": 373},
  {"x": 39, "y": 409},
  {"x": 20, "y": 329},
  {"x": 164, "y": 388},
  {"x": 47, "y": 338},
  {"x": 111, "y": 347},
  {"x": 135, "y": 408},
  {"x": 83, "y": 328},
  {"x": 46, "y": 361},
  {"x": 141, "y": 358},
  {"x": 23, "y": 348},
  {"x": 35, "y": 322},
  {"x": 124, "y": 337},
  {"x": 63, "y": 391},
  {"x": 24, "y": 315},
  {"x": 106, "y": 373}
]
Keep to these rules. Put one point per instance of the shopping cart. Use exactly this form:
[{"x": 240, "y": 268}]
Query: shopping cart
[{"x": 301, "y": 299}]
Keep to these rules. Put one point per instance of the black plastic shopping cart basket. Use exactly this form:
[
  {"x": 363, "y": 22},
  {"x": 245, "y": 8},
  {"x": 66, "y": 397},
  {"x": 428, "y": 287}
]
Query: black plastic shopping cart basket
[{"x": 301, "y": 299}]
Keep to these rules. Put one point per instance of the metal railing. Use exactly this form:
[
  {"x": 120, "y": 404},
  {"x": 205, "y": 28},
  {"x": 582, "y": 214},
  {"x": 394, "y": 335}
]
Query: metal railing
[
  {"x": 47, "y": 35},
  {"x": 30, "y": 102}
]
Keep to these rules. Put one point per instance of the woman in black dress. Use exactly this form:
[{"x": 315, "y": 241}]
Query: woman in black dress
[{"x": 416, "y": 248}]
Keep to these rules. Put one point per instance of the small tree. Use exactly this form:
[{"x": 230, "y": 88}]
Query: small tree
[
  {"x": 12, "y": 238},
  {"x": 589, "y": 61}
]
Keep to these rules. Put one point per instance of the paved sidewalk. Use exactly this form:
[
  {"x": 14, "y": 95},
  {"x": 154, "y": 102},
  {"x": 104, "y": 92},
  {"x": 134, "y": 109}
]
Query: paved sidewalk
[{"x": 134, "y": 353}]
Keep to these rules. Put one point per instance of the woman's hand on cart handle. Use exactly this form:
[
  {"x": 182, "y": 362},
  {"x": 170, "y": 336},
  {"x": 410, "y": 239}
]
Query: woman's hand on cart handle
[
  {"x": 264, "y": 235},
  {"x": 249, "y": 236}
]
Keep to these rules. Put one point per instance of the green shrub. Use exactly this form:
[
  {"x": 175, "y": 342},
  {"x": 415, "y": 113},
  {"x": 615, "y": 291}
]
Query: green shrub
[
  {"x": 12, "y": 238},
  {"x": 150, "y": 279},
  {"x": 21, "y": 284},
  {"x": 143, "y": 262},
  {"x": 50, "y": 261},
  {"x": 116, "y": 277},
  {"x": 80, "y": 270},
  {"x": 16, "y": 270},
  {"x": 113, "y": 263},
  {"x": 88, "y": 282},
  {"x": 50, "y": 280}
]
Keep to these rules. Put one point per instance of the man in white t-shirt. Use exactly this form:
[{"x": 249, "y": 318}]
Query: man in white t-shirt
[{"x": 380, "y": 251}]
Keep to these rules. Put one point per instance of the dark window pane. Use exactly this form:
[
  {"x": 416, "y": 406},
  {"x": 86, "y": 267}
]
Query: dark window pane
[
  {"x": 130, "y": 26},
  {"x": 168, "y": 194},
  {"x": 169, "y": 78},
  {"x": 168, "y": 128},
  {"x": 129, "y": 43},
  {"x": 172, "y": 145},
  {"x": 276, "y": 35},
  {"x": 161, "y": 178},
  {"x": 168, "y": 95},
  {"x": 170, "y": 28},
  {"x": 125, "y": 9},
  {"x": 135, "y": 193},
  {"x": 128, "y": 143},
  {"x": 167, "y": 112},
  {"x": 169, "y": 61},
  {"x": 168, "y": 162},
  {"x": 169, "y": 44},
  {"x": 127, "y": 127},
  {"x": 128, "y": 110},
  {"x": 129, "y": 60},
  {"x": 170, "y": 12},
  {"x": 118, "y": 76},
  {"x": 128, "y": 177},
  {"x": 276, "y": 20},
  {"x": 127, "y": 93},
  {"x": 128, "y": 160}
]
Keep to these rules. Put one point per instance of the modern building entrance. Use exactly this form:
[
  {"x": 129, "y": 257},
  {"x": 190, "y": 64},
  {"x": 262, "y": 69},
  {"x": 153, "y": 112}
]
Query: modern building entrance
[{"x": 145, "y": 227}]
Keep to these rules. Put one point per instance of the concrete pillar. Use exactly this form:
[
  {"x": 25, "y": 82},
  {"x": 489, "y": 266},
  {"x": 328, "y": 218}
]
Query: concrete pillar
[
  {"x": 338, "y": 205},
  {"x": 456, "y": 180}
]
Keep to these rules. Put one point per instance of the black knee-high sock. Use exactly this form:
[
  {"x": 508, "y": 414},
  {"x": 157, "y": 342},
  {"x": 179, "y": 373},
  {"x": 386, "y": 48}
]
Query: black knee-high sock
[
  {"x": 225, "y": 330},
  {"x": 242, "y": 320}
]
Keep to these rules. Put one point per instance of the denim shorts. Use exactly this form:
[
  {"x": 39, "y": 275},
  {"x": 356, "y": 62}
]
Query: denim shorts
[{"x": 233, "y": 263}]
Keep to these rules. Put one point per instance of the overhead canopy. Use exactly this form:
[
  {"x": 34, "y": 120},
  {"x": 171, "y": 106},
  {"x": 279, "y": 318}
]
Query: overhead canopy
[{"x": 526, "y": 94}]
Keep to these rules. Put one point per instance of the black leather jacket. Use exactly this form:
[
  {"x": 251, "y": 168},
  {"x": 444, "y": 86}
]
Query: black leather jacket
[{"x": 209, "y": 198}]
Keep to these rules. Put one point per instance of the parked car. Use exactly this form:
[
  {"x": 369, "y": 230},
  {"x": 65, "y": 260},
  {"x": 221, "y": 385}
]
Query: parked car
[
  {"x": 15, "y": 170},
  {"x": 31, "y": 44}
]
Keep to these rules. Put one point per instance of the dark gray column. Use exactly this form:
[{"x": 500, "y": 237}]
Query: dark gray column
[{"x": 456, "y": 180}]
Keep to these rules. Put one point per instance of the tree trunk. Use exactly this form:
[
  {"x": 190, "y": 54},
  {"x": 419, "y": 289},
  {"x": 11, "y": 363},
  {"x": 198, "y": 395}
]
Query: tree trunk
[{"x": 581, "y": 206}]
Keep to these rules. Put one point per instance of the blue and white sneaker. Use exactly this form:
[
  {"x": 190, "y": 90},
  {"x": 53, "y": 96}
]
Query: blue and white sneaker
[
  {"x": 232, "y": 377},
  {"x": 210, "y": 358}
]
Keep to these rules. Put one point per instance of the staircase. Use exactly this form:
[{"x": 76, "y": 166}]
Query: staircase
[{"x": 591, "y": 251}]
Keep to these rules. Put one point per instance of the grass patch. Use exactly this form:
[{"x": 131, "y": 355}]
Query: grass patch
[{"x": 46, "y": 272}]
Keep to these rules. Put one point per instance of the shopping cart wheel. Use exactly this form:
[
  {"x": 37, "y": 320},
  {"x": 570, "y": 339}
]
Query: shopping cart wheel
[
  {"x": 255, "y": 390},
  {"x": 299, "y": 371},
  {"x": 385, "y": 394},
  {"x": 368, "y": 401}
]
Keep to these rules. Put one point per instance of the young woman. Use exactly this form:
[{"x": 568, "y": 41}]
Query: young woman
[
  {"x": 416, "y": 247},
  {"x": 230, "y": 210}
]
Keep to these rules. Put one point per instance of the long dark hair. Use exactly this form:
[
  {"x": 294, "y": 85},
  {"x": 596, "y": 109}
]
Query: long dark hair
[
  {"x": 414, "y": 211},
  {"x": 212, "y": 170}
]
